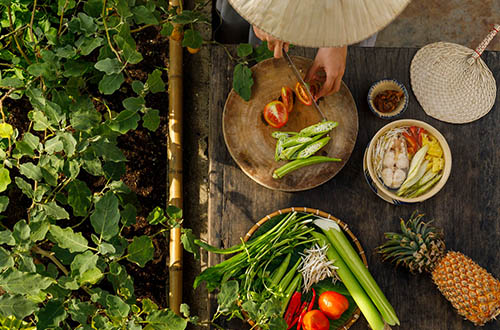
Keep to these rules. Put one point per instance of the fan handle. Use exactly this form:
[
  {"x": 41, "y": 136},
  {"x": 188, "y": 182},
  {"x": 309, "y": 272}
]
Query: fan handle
[{"x": 482, "y": 46}]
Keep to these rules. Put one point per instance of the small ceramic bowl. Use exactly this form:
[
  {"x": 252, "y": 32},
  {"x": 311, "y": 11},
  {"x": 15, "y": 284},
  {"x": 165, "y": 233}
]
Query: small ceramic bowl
[
  {"x": 389, "y": 195},
  {"x": 384, "y": 85}
]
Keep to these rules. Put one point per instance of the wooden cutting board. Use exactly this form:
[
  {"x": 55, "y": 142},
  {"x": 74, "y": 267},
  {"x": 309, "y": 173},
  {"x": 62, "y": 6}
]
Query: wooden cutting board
[{"x": 248, "y": 136}]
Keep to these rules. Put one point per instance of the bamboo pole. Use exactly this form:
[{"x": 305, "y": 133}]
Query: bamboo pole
[{"x": 174, "y": 153}]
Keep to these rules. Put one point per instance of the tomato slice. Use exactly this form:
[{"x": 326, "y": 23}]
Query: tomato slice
[
  {"x": 276, "y": 114},
  {"x": 287, "y": 97},
  {"x": 302, "y": 95}
]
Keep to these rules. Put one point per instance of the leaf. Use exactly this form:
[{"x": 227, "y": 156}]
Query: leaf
[
  {"x": 186, "y": 17},
  {"x": 4, "y": 202},
  {"x": 192, "y": 39},
  {"x": 16, "y": 305},
  {"x": 94, "y": 9},
  {"x": 228, "y": 296},
  {"x": 108, "y": 65},
  {"x": 243, "y": 81},
  {"x": 244, "y": 50},
  {"x": 106, "y": 248},
  {"x": 141, "y": 250},
  {"x": 114, "y": 170},
  {"x": 21, "y": 232},
  {"x": 142, "y": 15},
  {"x": 51, "y": 315},
  {"x": 39, "y": 229},
  {"x": 11, "y": 82},
  {"x": 69, "y": 143},
  {"x": 134, "y": 103},
  {"x": 14, "y": 281},
  {"x": 76, "y": 68},
  {"x": 6, "y": 260},
  {"x": 88, "y": 44},
  {"x": 49, "y": 175},
  {"x": 91, "y": 276},
  {"x": 53, "y": 145},
  {"x": 165, "y": 320},
  {"x": 83, "y": 262},
  {"x": 137, "y": 87},
  {"x": 154, "y": 83},
  {"x": 125, "y": 121},
  {"x": 174, "y": 212},
  {"x": 262, "y": 52},
  {"x": 23, "y": 185},
  {"x": 117, "y": 307},
  {"x": 167, "y": 29},
  {"x": 4, "y": 179},
  {"x": 80, "y": 311},
  {"x": 111, "y": 83},
  {"x": 6, "y": 130},
  {"x": 55, "y": 211},
  {"x": 128, "y": 215},
  {"x": 156, "y": 216},
  {"x": 87, "y": 23},
  {"x": 151, "y": 119},
  {"x": 68, "y": 239},
  {"x": 187, "y": 239},
  {"x": 7, "y": 238},
  {"x": 108, "y": 151},
  {"x": 31, "y": 171},
  {"x": 106, "y": 216},
  {"x": 85, "y": 119},
  {"x": 130, "y": 54}
]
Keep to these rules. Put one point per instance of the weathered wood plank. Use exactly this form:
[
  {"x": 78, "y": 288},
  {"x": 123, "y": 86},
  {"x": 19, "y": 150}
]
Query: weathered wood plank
[{"x": 467, "y": 208}]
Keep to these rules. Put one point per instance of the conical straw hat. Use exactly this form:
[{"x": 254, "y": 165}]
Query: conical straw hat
[
  {"x": 452, "y": 83},
  {"x": 320, "y": 23}
]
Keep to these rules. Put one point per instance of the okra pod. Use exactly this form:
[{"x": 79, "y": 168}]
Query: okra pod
[
  {"x": 279, "y": 149},
  {"x": 295, "y": 140},
  {"x": 322, "y": 127},
  {"x": 285, "y": 281},
  {"x": 294, "y": 286},
  {"x": 312, "y": 148},
  {"x": 278, "y": 134},
  {"x": 299, "y": 163},
  {"x": 289, "y": 152},
  {"x": 280, "y": 271}
]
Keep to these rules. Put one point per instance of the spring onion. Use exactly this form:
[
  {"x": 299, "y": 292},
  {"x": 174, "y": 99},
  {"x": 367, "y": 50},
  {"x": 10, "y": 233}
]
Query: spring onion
[
  {"x": 338, "y": 240},
  {"x": 351, "y": 283}
]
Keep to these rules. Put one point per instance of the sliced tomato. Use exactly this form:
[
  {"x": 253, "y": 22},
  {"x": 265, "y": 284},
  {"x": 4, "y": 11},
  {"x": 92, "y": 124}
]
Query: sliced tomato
[
  {"x": 276, "y": 114},
  {"x": 287, "y": 97},
  {"x": 314, "y": 87},
  {"x": 302, "y": 95}
]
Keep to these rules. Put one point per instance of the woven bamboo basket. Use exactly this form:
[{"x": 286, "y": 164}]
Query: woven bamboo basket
[{"x": 356, "y": 314}]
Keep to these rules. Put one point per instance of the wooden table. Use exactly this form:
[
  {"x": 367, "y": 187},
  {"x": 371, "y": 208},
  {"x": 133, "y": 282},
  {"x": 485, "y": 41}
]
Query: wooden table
[{"x": 467, "y": 208}]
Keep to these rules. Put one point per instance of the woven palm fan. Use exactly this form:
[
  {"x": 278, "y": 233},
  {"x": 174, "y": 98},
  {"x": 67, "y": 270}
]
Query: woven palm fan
[
  {"x": 320, "y": 23},
  {"x": 452, "y": 83}
]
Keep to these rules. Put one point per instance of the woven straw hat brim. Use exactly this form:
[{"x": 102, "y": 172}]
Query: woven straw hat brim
[
  {"x": 320, "y": 23},
  {"x": 448, "y": 87}
]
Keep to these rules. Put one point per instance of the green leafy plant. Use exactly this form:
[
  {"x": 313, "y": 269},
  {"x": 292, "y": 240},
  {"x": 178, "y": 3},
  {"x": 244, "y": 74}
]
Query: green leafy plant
[
  {"x": 63, "y": 264},
  {"x": 242, "y": 75}
]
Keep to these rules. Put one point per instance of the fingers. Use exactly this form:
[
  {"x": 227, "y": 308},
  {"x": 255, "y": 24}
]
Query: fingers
[
  {"x": 327, "y": 87},
  {"x": 278, "y": 49},
  {"x": 311, "y": 73}
]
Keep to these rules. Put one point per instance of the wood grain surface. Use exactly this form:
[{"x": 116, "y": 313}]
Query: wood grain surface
[
  {"x": 467, "y": 208},
  {"x": 248, "y": 137}
]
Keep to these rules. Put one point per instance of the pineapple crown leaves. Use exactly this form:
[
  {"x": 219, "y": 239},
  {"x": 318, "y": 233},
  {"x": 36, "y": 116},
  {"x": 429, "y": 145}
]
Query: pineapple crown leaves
[{"x": 418, "y": 247}]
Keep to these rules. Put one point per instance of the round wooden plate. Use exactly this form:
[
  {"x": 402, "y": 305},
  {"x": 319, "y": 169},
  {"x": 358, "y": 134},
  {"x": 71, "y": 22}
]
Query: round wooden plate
[{"x": 248, "y": 136}]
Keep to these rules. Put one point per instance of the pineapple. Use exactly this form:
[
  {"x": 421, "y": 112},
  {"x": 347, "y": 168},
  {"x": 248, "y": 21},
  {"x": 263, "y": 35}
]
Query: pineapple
[{"x": 472, "y": 291}]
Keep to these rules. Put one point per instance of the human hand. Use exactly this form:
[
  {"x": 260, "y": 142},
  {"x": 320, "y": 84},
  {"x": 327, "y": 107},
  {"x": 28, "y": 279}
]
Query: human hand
[
  {"x": 274, "y": 45},
  {"x": 332, "y": 62}
]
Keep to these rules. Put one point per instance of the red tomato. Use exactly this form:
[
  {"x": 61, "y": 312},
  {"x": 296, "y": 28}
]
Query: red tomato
[
  {"x": 287, "y": 97},
  {"x": 315, "y": 320},
  {"x": 302, "y": 95},
  {"x": 275, "y": 114},
  {"x": 333, "y": 304}
]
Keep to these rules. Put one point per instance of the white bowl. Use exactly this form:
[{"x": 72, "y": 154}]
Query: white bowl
[{"x": 381, "y": 190}]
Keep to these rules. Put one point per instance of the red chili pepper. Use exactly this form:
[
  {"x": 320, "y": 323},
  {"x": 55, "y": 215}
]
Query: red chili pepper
[
  {"x": 301, "y": 318},
  {"x": 293, "y": 306},
  {"x": 414, "y": 130},
  {"x": 411, "y": 140},
  {"x": 311, "y": 304}
]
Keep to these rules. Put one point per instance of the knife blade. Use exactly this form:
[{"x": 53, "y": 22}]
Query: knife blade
[{"x": 299, "y": 77}]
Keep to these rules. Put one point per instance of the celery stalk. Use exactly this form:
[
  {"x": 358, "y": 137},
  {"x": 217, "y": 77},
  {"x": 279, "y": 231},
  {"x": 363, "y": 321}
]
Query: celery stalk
[
  {"x": 338, "y": 240},
  {"x": 351, "y": 283}
]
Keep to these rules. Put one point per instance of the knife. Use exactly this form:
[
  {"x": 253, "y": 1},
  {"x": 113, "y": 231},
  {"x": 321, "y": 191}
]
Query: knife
[{"x": 299, "y": 77}]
